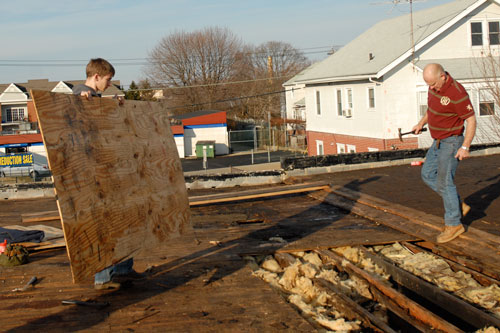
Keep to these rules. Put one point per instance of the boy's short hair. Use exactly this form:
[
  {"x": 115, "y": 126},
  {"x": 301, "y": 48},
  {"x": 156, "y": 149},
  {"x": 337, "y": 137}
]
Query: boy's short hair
[{"x": 99, "y": 66}]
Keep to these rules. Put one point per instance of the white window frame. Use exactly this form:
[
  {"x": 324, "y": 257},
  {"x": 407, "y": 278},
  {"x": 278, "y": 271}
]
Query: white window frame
[
  {"x": 371, "y": 108},
  {"x": 341, "y": 148},
  {"x": 422, "y": 96},
  {"x": 340, "y": 104},
  {"x": 469, "y": 27},
  {"x": 485, "y": 33},
  {"x": 320, "y": 148},
  {"x": 349, "y": 93},
  {"x": 489, "y": 33},
  {"x": 17, "y": 110},
  {"x": 370, "y": 149},
  {"x": 351, "y": 149},
  {"x": 317, "y": 100},
  {"x": 485, "y": 99}
]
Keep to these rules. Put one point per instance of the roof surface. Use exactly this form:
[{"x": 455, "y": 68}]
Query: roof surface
[
  {"x": 385, "y": 41},
  {"x": 195, "y": 114},
  {"x": 20, "y": 138},
  {"x": 463, "y": 68},
  {"x": 45, "y": 84}
]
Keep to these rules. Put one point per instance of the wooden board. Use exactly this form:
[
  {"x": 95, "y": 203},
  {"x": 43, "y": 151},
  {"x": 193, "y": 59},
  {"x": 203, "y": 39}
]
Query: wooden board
[
  {"x": 50, "y": 215},
  {"x": 117, "y": 176}
]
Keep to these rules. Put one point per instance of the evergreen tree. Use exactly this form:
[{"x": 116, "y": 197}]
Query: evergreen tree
[{"x": 132, "y": 92}]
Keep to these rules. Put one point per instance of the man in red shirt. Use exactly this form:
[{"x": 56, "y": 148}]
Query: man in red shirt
[{"x": 449, "y": 109}]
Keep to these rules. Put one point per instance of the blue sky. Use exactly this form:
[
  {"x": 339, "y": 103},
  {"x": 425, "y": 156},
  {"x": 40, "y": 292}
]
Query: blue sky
[{"x": 65, "y": 34}]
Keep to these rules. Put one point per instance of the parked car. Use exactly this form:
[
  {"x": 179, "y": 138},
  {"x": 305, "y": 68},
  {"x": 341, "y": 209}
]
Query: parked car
[{"x": 36, "y": 170}]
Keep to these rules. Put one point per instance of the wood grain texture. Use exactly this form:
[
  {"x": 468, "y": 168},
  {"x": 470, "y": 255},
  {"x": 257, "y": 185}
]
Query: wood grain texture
[{"x": 117, "y": 176}]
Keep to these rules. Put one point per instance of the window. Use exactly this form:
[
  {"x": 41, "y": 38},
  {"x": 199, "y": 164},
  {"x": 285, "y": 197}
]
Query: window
[
  {"x": 494, "y": 33},
  {"x": 486, "y": 108},
  {"x": 319, "y": 148},
  {"x": 422, "y": 103},
  {"x": 318, "y": 103},
  {"x": 351, "y": 148},
  {"x": 476, "y": 29},
  {"x": 486, "y": 103},
  {"x": 349, "y": 98},
  {"x": 340, "y": 148},
  {"x": 339, "y": 102},
  {"x": 14, "y": 114},
  {"x": 371, "y": 98}
]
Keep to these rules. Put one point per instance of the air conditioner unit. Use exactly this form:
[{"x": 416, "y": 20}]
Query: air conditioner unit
[{"x": 347, "y": 113}]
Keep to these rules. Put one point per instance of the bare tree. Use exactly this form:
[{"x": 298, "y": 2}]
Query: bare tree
[
  {"x": 211, "y": 68},
  {"x": 198, "y": 62},
  {"x": 269, "y": 65}
]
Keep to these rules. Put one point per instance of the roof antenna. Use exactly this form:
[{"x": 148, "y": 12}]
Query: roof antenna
[{"x": 410, "y": 2}]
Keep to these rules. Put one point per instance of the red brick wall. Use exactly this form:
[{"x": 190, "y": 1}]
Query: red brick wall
[
  {"x": 31, "y": 112},
  {"x": 361, "y": 143}
]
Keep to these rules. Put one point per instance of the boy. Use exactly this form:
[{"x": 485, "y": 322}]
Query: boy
[{"x": 99, "y": 75}]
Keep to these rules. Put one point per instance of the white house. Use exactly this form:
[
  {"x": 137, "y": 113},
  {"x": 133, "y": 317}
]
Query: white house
[
  {"x": 199, "y": 126},
  {"x": 358, "y": 98}
]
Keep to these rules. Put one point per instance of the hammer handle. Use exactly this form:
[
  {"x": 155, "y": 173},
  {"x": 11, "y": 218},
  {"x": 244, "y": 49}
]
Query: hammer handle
[{"x": 412, "y": 132}]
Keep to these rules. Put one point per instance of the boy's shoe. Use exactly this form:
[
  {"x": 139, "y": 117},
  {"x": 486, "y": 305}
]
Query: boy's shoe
[
  {"x": 450, "y": 233},
  {"x": 110, "y": 285},
  {"x": 130, "y": 277},
  {"x": 465, "y": 209}
]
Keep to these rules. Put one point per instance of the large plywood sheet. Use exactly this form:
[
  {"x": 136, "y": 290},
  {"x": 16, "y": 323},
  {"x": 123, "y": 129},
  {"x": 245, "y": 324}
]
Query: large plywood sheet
[{"x": 117, "y": 175}]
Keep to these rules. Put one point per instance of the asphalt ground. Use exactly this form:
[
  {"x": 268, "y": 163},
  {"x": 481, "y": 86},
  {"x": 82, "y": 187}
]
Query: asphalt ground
[{"x": 233, "y": 160}]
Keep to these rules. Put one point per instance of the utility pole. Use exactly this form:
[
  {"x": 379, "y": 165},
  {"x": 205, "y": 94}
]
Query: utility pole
[
  {"x": 270, "y": 81},
  {"x": 270, "y": 69}
]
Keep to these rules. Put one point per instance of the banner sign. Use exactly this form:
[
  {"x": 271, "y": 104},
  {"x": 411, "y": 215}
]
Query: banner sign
[{"x": 16, "y": 160}]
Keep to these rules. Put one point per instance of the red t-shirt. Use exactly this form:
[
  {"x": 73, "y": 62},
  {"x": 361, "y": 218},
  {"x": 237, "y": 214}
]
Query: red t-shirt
[{"x": 447, "y": 109}]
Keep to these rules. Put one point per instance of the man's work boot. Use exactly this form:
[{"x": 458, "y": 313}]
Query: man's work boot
[
  {"x": 110, "y": 285},
  {"x": 465, "y": 209},
  {"x": 450, "y": 233}
]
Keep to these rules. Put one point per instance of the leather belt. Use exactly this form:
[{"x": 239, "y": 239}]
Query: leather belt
[{"x": 438, "y": 141}]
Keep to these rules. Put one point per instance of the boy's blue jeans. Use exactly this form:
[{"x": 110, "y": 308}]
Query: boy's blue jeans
[
  {"x": 107, "y": 274},
  {"x": 438, "y": 173}
]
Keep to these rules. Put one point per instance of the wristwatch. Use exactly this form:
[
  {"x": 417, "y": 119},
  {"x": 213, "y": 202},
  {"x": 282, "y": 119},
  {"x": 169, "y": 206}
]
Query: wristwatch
[{"x": 465, "y": 148}]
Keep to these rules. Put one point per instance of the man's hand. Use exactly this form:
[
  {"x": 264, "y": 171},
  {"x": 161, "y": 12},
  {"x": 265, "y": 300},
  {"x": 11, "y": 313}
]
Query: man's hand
[
  {"x": 462, "y": 153},
  {"x": 417, "y": 128}
]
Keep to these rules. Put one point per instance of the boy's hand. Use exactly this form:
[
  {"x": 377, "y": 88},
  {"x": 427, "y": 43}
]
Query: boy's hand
[
  {"x": 120, "y": 99},
  {"x": 86, "y": 94}
]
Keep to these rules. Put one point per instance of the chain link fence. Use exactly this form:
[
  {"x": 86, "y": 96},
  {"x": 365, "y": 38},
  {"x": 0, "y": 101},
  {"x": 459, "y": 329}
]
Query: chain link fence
[{"x": 264, "y": 138}]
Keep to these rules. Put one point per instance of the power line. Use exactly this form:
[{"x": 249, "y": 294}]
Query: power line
[
  {"x": 231, "y": 99},
  {"x": 126, "y": 61},
  {"x": 190, "y": 86},
  {"x": 211, "y": 84}
]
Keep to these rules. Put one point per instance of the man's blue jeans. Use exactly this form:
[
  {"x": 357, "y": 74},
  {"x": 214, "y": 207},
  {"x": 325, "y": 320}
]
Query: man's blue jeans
[
  {"x": 438, "y": 173},
  {"x": 107, "y": 274}
]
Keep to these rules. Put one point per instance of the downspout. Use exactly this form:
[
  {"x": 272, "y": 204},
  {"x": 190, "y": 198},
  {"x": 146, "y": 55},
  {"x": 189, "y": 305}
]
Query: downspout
[{"x": 377, "y": 83}]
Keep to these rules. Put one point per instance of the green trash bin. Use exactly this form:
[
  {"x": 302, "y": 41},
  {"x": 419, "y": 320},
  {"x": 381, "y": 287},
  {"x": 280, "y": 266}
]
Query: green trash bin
[{"x": 209, "y": 146}]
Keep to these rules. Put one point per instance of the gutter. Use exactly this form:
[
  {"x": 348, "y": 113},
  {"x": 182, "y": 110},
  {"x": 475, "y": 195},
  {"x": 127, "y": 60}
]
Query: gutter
[{"x": 337, "y": 79}]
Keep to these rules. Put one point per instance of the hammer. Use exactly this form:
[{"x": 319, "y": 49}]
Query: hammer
[{"x": 406, "y": 133}]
